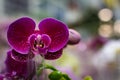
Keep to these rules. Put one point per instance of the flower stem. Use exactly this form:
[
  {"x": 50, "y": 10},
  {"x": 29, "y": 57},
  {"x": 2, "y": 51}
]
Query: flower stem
[{"x": 45, "y": 66}]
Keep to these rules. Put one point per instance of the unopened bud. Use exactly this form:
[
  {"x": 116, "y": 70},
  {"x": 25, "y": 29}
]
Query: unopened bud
[{"x": 74, "y": 37}]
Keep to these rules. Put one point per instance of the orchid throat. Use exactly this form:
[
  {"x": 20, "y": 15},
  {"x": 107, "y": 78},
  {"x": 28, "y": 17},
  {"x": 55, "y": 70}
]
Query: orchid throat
[{"x": 40, "y": 43}]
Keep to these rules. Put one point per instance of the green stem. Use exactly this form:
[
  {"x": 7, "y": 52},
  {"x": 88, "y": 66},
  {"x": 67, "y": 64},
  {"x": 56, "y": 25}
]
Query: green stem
[
  {"x": 50, "y": 67},
  {"x": 45, "y": 66}
]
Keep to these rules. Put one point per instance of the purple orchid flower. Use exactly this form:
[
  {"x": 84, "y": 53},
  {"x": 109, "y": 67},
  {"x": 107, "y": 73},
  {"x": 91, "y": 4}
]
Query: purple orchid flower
[
  {"x": 19, "y": 68},
  {"x": 49, "y": 40}
]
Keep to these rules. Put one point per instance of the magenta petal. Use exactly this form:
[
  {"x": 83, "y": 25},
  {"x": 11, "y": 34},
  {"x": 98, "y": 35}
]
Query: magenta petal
[
  {"x": 46, "y": 40},
  {"x": 18, "y": 34},
  {"x": 42, "y": 51},
  {"x": 18, "y": 68},
  {"x": 21, "y": 57},
  {"x": 57, "y": 31},
  {"x": 31, "y": 40},
  {"x": 53, "y": 55}
]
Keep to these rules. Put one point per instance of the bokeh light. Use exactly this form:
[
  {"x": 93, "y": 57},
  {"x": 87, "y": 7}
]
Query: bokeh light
[
  {"x": 117, "y": 27},
  {"x": 105, "y": 30},
  {"x": 105, "y": 14}
]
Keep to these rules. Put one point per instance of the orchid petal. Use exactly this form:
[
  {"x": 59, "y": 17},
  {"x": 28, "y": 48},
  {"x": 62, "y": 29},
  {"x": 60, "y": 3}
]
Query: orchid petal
[
  {"x": 53, "y": 55},
  {"x": 57, "y": 31},
  {"x": 18, "y": 68},
  {"x": 46, "y": 40},
  {"x": 21, "y": 57},
  {"x": 42, "y": 51},
  {"x": 18, "y": 34},
  {"x": 31, "y": 40}
]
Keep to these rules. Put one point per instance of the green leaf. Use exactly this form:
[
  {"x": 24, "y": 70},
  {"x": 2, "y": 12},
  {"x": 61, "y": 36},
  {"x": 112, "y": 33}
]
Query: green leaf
[
  {"x": 55, "y": 75},
  {"x": 66, "y": 77},
  {"x": 88, "y": 78}
]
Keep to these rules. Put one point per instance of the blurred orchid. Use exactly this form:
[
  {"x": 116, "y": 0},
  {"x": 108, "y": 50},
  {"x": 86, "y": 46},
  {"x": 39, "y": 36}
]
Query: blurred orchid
[
  {"x": 48, "y": 41},
  {"x": 97, "y": 43},
  {"x": 1, "y": 77}
]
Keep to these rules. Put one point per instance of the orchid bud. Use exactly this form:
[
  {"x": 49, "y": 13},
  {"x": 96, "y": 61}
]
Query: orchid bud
[{"x": 74, "y": 37}]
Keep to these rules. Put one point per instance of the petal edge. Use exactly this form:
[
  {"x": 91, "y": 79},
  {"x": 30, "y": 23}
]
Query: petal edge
[{"x": 18, "y": 34}]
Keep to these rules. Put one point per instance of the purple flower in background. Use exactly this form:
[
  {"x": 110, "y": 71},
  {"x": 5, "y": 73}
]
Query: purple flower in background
[
  {"x": 1, "y": 77},
  {"x": 49, "y": 40},
  {"x": 97, "y": 43}
]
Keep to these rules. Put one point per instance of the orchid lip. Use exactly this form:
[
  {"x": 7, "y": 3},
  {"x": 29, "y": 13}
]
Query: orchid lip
[{"x": 39, "y": 43}]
